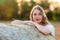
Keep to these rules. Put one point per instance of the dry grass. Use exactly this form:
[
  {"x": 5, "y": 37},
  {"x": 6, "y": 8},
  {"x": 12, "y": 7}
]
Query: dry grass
[{"x": 57, "y": 29}]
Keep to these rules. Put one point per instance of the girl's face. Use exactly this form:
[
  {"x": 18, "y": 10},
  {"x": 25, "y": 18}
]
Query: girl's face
[{"x": 37, "y": 17}]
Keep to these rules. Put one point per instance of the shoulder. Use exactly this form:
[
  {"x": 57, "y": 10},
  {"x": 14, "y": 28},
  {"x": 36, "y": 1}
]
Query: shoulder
[
  {"x": 49, "y": 25},
  {"x": 51, "y": 28}
]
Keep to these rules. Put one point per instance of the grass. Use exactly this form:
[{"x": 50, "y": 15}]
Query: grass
[{"x": 57, "y": 29}]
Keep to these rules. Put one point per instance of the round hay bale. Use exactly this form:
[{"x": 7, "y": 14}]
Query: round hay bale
[{"x": 22, "y": 32}]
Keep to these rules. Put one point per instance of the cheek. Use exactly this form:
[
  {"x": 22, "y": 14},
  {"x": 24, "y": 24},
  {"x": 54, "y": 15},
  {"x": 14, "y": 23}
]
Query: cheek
[
  {"x": 33, "y": 18},
  {"x": 41, "y": 18}
]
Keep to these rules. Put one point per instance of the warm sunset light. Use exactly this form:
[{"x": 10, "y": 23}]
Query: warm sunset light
[
  {"x": 37, "y": 1},
  {"x": 28, "y": 0},
  {"x": 58, "y": 1},
  {"x": 18, "y": 0},
  {"x": 54, "y": 4},
  {"x": 24, "y": 0},
  {"x": 29, "y": 19}
]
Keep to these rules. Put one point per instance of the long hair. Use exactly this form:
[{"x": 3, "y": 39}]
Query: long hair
[{"x": 44, "y": 17}]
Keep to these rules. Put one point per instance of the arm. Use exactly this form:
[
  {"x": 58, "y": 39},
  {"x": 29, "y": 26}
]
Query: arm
[
  {"x": 42, "y": 29},
  {"x": 17, "y": 22}
]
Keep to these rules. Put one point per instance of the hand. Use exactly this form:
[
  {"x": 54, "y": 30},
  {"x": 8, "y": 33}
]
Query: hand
[
  {"x": 36, "y": 24},
  {"x": 17, "y": 22},
  {"x": 30, "y": 24}
]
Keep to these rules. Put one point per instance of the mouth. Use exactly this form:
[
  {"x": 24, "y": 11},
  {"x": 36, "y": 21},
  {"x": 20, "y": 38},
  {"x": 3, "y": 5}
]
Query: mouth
[{"x": 37, "y": 19}]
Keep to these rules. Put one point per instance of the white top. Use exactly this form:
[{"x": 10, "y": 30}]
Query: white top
[{"x": 49, "y": 27}]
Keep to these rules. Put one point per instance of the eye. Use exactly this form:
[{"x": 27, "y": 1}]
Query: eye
[
  {"x": 35, "y": 14},
  {"x": 39, "y": 14}
]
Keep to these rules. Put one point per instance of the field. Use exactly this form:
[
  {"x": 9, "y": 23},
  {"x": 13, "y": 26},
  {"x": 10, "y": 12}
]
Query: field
[
  {"x": 57, "y": 29},
  {"x": 56, "y": 25}
]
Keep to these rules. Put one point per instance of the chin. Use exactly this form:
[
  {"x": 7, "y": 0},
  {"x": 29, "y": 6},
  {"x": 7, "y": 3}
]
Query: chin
[{"x": 37, "y": 21}]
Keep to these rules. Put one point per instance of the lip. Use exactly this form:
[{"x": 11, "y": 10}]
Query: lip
[{"x": 37, "y": 19}]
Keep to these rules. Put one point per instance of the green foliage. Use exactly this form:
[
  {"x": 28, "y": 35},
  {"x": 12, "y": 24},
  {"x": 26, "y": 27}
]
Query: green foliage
[
  {"x": 8, "y": 9},
  {"x": 44, "y": 4},
  {"x": 50, "y": 15},
  {"x": 26, "y": 10}
]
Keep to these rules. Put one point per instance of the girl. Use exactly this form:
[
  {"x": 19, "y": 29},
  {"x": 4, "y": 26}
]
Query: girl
[{"x": 39, "y": 19}]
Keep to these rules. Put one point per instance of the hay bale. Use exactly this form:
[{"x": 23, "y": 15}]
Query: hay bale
[{"x": 22, "y": 32}]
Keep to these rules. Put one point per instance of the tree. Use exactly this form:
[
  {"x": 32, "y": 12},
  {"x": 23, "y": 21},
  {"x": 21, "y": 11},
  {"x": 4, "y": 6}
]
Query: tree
[
  {"x": 26, "y": 10},
  {"x": 8, "y": 9}
]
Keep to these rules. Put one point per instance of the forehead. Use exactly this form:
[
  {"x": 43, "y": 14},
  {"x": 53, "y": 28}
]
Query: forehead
[{"x": 36, "y": 11}]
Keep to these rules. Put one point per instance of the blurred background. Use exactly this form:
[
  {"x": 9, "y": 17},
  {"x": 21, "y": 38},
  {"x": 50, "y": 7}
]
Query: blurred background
[{"x": 20, "y": 9}]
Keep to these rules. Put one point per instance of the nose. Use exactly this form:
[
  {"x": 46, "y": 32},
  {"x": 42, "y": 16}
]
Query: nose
[{"x": 37, "y": 16}]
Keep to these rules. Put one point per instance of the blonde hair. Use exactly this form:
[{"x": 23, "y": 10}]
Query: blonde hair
[{"x": 44, "y": 19}]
